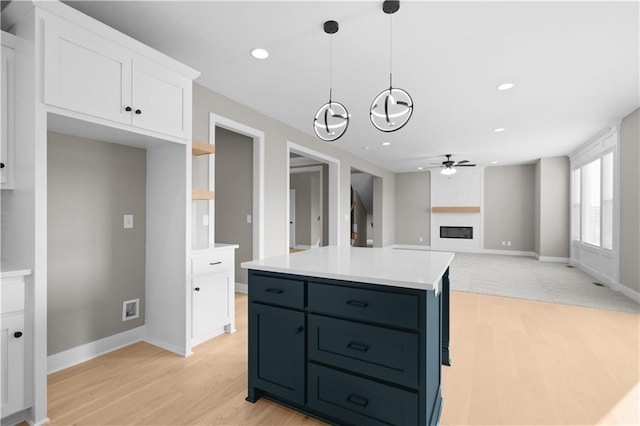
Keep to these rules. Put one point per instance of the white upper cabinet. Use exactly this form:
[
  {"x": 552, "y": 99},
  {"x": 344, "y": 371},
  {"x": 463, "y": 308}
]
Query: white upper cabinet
[
  {"x": 102, "y": 79},
  {"x": 86, "y": 73}
]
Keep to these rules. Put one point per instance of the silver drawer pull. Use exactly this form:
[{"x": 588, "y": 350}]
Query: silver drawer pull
[
  {"x": 358, "y": 400},
  {"x": 214, "y": 263},
  {"x": 357, "y": 303},
  {"x": 360, "y": 347}
]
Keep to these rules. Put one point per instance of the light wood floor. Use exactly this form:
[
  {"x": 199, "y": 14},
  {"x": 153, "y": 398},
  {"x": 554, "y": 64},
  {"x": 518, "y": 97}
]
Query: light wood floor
[{"x": 514, "y": 362}]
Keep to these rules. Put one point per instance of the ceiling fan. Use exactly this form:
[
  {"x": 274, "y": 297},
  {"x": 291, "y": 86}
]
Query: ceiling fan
[{"x": 448, "y": 165}]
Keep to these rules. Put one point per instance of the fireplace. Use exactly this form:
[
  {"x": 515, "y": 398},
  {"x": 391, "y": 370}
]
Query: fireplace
[{"x": 459, "y": 232}]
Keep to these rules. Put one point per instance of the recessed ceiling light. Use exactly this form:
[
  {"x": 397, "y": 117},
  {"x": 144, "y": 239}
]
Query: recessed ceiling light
[
  {"x": 386, "y": 143},
  {"x": 494, "y": 162},
  {"x": 259, "y": 53},
  {"x": 499, "y": 129},
  {"x": 420, "y": 168},
  {"x": 505, "y": 86}
]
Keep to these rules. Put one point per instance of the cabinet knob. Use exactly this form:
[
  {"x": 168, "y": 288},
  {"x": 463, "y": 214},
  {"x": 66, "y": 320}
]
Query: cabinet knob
[
  {"x": 138, "y": 111},
  {"x": 197, "y": 289},
  {"x": 128, "y": 109},
  {"x": 17, "y": 334},
  {"x": 299, "y": 330},
  {"x": 1, "y": 165}
]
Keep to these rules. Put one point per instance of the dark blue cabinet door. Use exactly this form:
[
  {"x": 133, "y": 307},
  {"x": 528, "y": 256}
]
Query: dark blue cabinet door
[{"x": 277, "y": 357}]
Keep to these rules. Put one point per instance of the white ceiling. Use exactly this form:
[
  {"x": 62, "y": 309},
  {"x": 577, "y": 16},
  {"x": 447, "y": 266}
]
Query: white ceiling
[{"x": 575, "y": 66}]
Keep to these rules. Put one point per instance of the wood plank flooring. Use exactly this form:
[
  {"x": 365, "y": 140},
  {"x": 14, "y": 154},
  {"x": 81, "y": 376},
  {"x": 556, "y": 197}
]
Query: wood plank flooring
[{"x": 514, "y": 362}]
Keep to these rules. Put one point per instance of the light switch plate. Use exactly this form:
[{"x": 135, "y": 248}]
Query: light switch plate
[
  {"x": 128, "y": 221},
  {"x": 205, "y": 220},
  {"x": 248, "y": 218}
]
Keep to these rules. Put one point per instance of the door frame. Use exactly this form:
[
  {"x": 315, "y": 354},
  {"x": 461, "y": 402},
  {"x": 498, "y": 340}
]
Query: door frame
[
  {"x": 334, "y": 189},
  {"x": 258, "y": 177},
  {"x": 311, "y": 169}
]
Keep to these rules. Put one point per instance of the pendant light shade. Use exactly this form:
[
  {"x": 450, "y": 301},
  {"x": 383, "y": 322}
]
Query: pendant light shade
[
  {"x": 392, "y": 108},
  {"x": 332, "y": 119}
]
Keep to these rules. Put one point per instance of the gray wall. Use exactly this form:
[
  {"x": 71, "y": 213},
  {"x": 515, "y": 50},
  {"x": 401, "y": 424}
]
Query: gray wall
[
  {"x": 554, "y": 229},
  {"x": 630, "y": 201},
  {"x": 94, "y": 264},
  {"x": 234, "y": 195},
  {"x": 509, "y": 207},
  {"x": 277, "y": 134},
  {"x": 413, "y": 208}
]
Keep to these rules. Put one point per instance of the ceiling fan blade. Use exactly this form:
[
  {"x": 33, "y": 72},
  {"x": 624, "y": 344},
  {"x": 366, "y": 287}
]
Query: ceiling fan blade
[
  {"x": 436, "y": 164},
  {"x": 461, "y": 162},
  {"x": 465, "y": 165}
]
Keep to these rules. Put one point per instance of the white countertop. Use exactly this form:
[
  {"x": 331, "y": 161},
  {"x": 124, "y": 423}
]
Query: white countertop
[
  {"x": 416, "y": 269},
  {"x": 9, "y": 270}
]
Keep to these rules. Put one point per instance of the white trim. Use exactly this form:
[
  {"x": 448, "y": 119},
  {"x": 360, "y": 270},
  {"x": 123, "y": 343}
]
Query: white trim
[
  {"x": 258, "y": 175},
  {"x": 334, "y": 190},
  {"x": 166, "y": 347},
  {"x": 629, "y": 292},
  {"x": 242, "y": 288},
  {"x": 82, "y": 353},
  {"x": 509, "y": 252}
]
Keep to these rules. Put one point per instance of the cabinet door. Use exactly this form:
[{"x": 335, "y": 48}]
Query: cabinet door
[
  {"x": 12, "y": 360},
  {"x": 161, "y": 99},
  {"x": 6, "y": 154},
  {"x": 276, "y": 350},
  {"x": 211, "y": 310},
  {"x": 86, "y": 73}
]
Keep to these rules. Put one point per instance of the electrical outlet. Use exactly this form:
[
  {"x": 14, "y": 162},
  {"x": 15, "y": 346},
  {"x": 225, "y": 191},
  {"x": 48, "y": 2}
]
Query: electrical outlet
[
  {"x": 249, "y": 219},
  {"x": 128, "y": 221},
  {"x": 421, "y": 239},
  {"x": 205, "y": 220},
  {"x": 504, "y": 243},
  {"x": 508, "y": 243}
]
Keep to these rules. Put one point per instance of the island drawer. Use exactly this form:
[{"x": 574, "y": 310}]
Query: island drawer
[
  {"x": 355, "y": 400},
  {"x": 380, "y": 307},
  {"x": 276, "y": 291},
  {"x": 382, "y": 353}
]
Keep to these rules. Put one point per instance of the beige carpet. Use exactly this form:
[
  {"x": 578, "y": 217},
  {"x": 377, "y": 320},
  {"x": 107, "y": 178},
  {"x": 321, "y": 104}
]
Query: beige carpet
[{"x": 528, "y": 278}]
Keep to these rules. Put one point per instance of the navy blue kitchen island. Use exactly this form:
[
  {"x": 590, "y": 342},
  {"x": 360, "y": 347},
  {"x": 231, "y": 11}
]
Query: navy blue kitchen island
[{"x": 352, "y": 336}]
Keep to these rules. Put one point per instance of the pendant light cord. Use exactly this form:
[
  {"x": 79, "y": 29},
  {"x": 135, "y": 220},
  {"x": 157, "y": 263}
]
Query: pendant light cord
[
  {"x": 330, "y": 66},
  {"x": 390, "y": 51}
]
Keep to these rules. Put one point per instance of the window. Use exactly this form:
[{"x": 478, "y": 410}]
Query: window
[
  {"x": 592, "y": 202},
  {"x": 575, "y": 205},
  {"x": 590, "y": 223}
]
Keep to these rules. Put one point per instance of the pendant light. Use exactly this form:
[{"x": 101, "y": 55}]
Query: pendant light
[
  {"x": 332, "y": 119},
  {"x": 392, "y": 108}
]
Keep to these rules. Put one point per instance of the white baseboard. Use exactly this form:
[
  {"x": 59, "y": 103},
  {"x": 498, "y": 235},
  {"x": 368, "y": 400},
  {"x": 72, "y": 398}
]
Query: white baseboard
[
  {"x": 73, "y": 356},
  {"x": 242, "y": 288},
  {"x": 552, "y": 259},
  {"x": 167, "y": 347},
  {"x": 629, "y": 292},
  {"x": 409, "y": 247},
  {"x": 509, "y": 252}
]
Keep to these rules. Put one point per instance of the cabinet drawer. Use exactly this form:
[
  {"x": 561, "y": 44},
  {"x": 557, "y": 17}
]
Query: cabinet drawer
[
  {"x": 367, "y": 305},
  {"x": 276, "y": 290},
  {"x": 359, "y": 401},
  {"x": 210, "y": 263},
  {"x": 12, "y": 295},
  {"x": 379, "y": 352}
]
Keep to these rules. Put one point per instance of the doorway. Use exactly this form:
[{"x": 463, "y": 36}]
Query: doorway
[
  {"x": 312, "y": 199},
  {"x": 366, "y": 209}
]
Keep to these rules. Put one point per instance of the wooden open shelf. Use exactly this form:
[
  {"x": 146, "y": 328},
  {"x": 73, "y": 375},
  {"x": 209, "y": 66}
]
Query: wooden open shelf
[
  {"x": 460, "y": 209},
  {"x": 202, "y": 148},
  {"x": 200, "y": 194}
]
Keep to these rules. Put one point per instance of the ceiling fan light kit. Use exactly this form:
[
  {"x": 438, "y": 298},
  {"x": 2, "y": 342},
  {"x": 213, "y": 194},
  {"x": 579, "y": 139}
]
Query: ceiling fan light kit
[{"x": 332, "y": 119}]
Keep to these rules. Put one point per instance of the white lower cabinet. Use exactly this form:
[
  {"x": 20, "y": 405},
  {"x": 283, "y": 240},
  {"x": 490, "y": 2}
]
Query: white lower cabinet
[
  {"x": 212, "y": 293},
  {"x": 12, "y": 348}
]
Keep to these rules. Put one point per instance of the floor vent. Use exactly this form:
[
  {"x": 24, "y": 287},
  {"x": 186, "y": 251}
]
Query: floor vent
[{"x": 598, "y": 284}]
